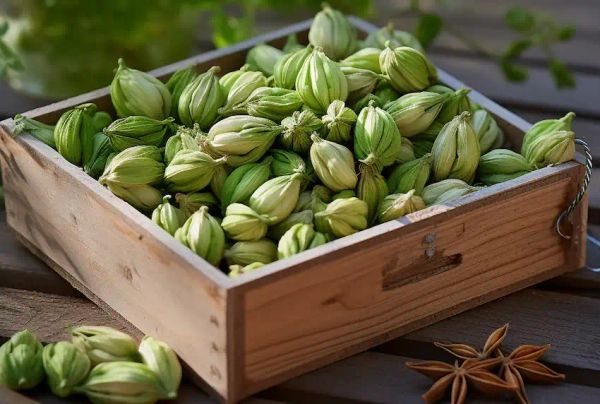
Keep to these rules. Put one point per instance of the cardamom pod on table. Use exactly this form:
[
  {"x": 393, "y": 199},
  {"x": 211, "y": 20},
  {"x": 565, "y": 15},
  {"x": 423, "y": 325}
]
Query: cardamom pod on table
[
  {"x": 371, "y": 188},
  {"x": 203, "y": 234},
  {"x": 396, "y": 38},
  {"x": 397, "y": 205},
  {"x": 501, "y": 165},
  {"x": 162, "y": 360},
  {"x": 338, "y": 122},
  {"x": 201, "y": 99},
  {"x": 168, "y": 217},
  {"x": 300, "y": 237},
  {"x": 21, "y": 365},
  {"x": 176, "y": 84},
  {"x": 191, "y": 171},
  {"x": 342, "y": 217},
  {"x": 263, "y": 58},
  {"x": 333, "y": 164},
  {"x": 243, "y": 181},
  {"x": 332, "y": 31},
  {"x": 366, "y": 58},
  {"x": 242, "y": 223},
  {"x": 288, "y": 67},
  {"x": 246, "y": 252},
  {"x": 413, "y": 174},
  {"x": 66, "y": 366},
  {"x": 137, "y": 131},
  {"x": 407, "y": 69},
  {"x": 277, "y": 198},
  {"x": 104, "y": 344},
  {"x": 377, "y": 141},
  {"x": 415, "y": 112}
]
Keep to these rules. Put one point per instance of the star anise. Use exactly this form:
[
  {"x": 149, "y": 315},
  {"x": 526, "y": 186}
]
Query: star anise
[
  {"x": 473, "y": 373},
  {"x": 464, "y": 351},
  {"x": 522, "y": 363}
]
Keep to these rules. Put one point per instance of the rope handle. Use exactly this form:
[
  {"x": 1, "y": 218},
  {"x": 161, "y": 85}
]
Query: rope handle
[{"x": 582, "y": 189}]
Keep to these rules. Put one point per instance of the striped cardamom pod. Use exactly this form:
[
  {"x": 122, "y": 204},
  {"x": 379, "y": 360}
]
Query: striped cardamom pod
[
  {"x": 246, "y": 252},
  {"x": 142, "y": 197},
  {"x": 101, "y": 150},
  {"x": 242, "y": 223},
  {"x": 551, "y": 148},
  {"x": 300, "y": 237},
  {"x": 104, "y": 344},
  {"x": 397, "y": 205},
  {"x": 228, "y": 79},
  {"x": 137, "y": 131},
  {"x": 423, "y": 143},
  {"x": 137, "y": 165},
  {"x": 378, "y": 38},
  {"x": 369, "y": 99},
  {"x": 320, "y": 196},
  {"x": 240, "y": 90},
  {"x": 371, "y": 188},
  {"x": 237, "y": 270},
  {"x": 454, "y": 104},
  {"x": 122, "y": 382},
  {"x": 286, "y": 162},
  {"x": 74, "y": 133},
  {"x": 176, "y": 84},
  {"x": 263, "y": 58},
  {"x": 333, "y": 164},
  {"x": 407, "y": 151},
  {"x": 366, "y": 58},
  {"x": 137, "y": 93},
  {"x": 546, "y": 126},
  {"x": 288, "y": 67},
  {"x": 243, "y": 181},
  {"x": 277, "y": 197},
  {"x": 338, "y": 122},
  {"x": 191, "y": 171},
  {"x": 377, "y": 141},
  {"x": 201, "y": 99},
  {"x": 320, "y": 82},
  {"x": 203, "y": 234},
  {"x": 182, "y": 140},
  {"x": 100, "y": 120},
  {"x": 488, "y": 132},
  {"x": 332, "y": 31},
  {"x": 291, "y": 44},
  {"x": 345, "y": 194},
  {"x": 273, "y": 103},
  {"x": 456, "y": 150},
  {"x": 242, "y": 138},
  {"x": 361, "y": 82},
  {"x": 21, "y": 364},
  {"x": 410, "y": 175},
  {"x": 407, "y": 69},
  {"x": 297, "y": 130},
  {"x": 217, "y": 182},
  {"x": 168, "y": 217},
  {"x": 189, "y": 203},
  {"x": 37, "y": 129},
  {"x": 162, "y": 360},
  {"x": 342, "y": 217},
  {"x": 415, "y": 112},
  {"x": 277, "y": 231},
  {"x": 386, "y": 93},
  {"x": 501, "y": 165},
  {"x": 445, "y": 191},
  {"x": 66, "y": 366}
]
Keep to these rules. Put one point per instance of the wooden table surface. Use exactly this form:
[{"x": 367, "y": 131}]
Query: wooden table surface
[{"x": 564, "y": 312}]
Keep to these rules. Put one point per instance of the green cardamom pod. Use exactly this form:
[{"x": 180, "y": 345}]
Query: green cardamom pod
[
  {"x": 333, "y": 164},
  {"x": 286, "y": 162},
  {"x": 104, "y": 344},
  {"x": 73, "y": 134},
  {"x": 240, "y": 90},
  {"x": 407, "y": 69},
  {"x": 273, "y": 103},
  {"x": 300, "y": 237},
  {"x": 543, "y": 127},
  {"x": 277, "y": 198},
  {"x": 190, "y": 203},
  {"x": 246, "y": 252},
  {"x": 201, "y": 99},
  {"x": 237, "y": 270},
  {"x": 305, "y": 216},
  {"x": 345, "y": 194},
  {"x": 361, "y": 82},
  {"x": 288, "y": 67},
  {"x": 386, "y": 94},
  {"x": 263, "y": 58},
  {"x": 203, "y": 234},
  {"x": 100, "y": 120},
  {"x": 332, "y": 31},
  {"x": 415, "y": 112},
  {"x": 228, "y": 79},
  {"x": 369, "y": 99},
  {"x": 423, "y": 143},
  {"x": 66, "y": 367},
  {"x": 291, "y": 44},
  {"x": 162, "y": 360},
  {"x": 297, "y": 129},
  {"x": 137, "y": 131},
  {"x": 320, "y": 82},
  {"x": 488, "y": 132},
  {"x": 101, "y": 150},
  {"x": 342, "y": 217},
  {"x": 243, "y": 139},
  {"x": 371, "y": 188},
  {"x": 320, "y": 197},
  {"x": 551, "y": 148},
  {"x": 377, "y": 141},
  {"x": 191, "y": 171},
  {"x": 396, "y": 38},
  {"x": 184, "y": 139},
  {"x": 501, "y": 165},
  {"x": 397, "y": 205},
  {"x": 137, "y": 93},
  {"x": 454, "y": 104},
  {"x": 142, "y": 197},
  {"x": 123, "y": 383},
  {"x": 137, "y": 165},
  {"x": 176, "y": 84},
  {"x": 37, "y": 129},
  {"x": 338, "y": 122},
  {"x": 243, "y": 181},
  {"x": 168, "y": 216},
  {"x": 407, "y": 151},
  {"x": 242, "y": 223},
  {"x": 413, "y": 174},
  {"x": 456, "y": 150},
  {"x": 21, "y": 364},
  {"x": 445, "y": 191},
  {"x": 366, "y": 58},
  {"x": 217, "y": 182}
]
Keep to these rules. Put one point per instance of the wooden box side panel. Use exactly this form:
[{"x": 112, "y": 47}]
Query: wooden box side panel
[
  {"x": 370, "y": 292},
  {"x": 122, "y": 258}
]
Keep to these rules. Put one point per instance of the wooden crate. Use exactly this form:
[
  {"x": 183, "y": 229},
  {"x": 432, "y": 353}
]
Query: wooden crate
[{"x": 245, "y": 334}]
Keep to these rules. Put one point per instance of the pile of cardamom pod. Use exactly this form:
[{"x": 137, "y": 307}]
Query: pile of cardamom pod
[
  {"x": 298, "y": 147},
  {"x": 106, "y": 365}
]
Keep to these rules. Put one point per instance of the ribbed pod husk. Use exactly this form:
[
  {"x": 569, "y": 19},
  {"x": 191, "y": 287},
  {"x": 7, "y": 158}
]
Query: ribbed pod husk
[
  {"x": 201, "y": 99},
  {"x": 190, "y": 171},
  {"x": 407, "y": 69},
  {"x": 361, "y": 82},
  {"x": 176, "y": 84},
  {"x": 191, "y": 202},
  {"x": 332, "y": 31},
  {"x": 273, "y": 103},
  {"x": 501, "y": 165},
  {"x": 243, "y": 181},
  {"x": 338, "y": 122},
  {"x": 371, "y": 188},
  {"x": 396, "y": 38},
  {"x": 366, "y": 58},
  {"x": 243, "y": 223},
  {"x": 73, "y": 133},
  {"x": 240, "y": 90},
  {"x": 168, "y": 217},
  {"x": 203, "y": 234},
  {"x": 397, "y": 205},
  {"x": 275, "y": 232},
  {"x": 21, "y": 364},
  {"x": 288, "y": 67},
  {"x": 488, "y": 132},
  {"x": 410, "y": 175},
  {"x": 377, "y": 140},
  {"x": 263, "y": 58},
  {"x": 415, "y": 112},
  {"x": 66, "y": 366},
  {"x": 300, "y": 237},
  {"x": 544, "y": 127},
  {"x": 445, "y": 191},
  {"x": 137, "y": 131},
  {"x": 162, "y": 360},
  {"x": 246, "y": 252},
  {"x": 297, "y": 129},
  {"x": 277, "y": 197},
  {"x": 551, "y": 148},
  {"x": 333, "y": 164},
  {"x": 342, "y": 217}
]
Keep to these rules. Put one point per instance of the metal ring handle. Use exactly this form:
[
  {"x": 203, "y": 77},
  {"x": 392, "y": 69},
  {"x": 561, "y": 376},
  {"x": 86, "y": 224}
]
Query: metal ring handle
[{"x": 582, "y": 189}]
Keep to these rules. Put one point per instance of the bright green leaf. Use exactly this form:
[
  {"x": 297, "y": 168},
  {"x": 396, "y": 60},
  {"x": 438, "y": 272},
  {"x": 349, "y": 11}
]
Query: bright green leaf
[
  {"x": 519, "y": 19},
  {"x": 563, "y": 78},
  {"x": 514, "y": 72},
  {"x": 565, "y": 33},
  {"x": 516, "y": 48},
  {"x": 428, "y": 28}
]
